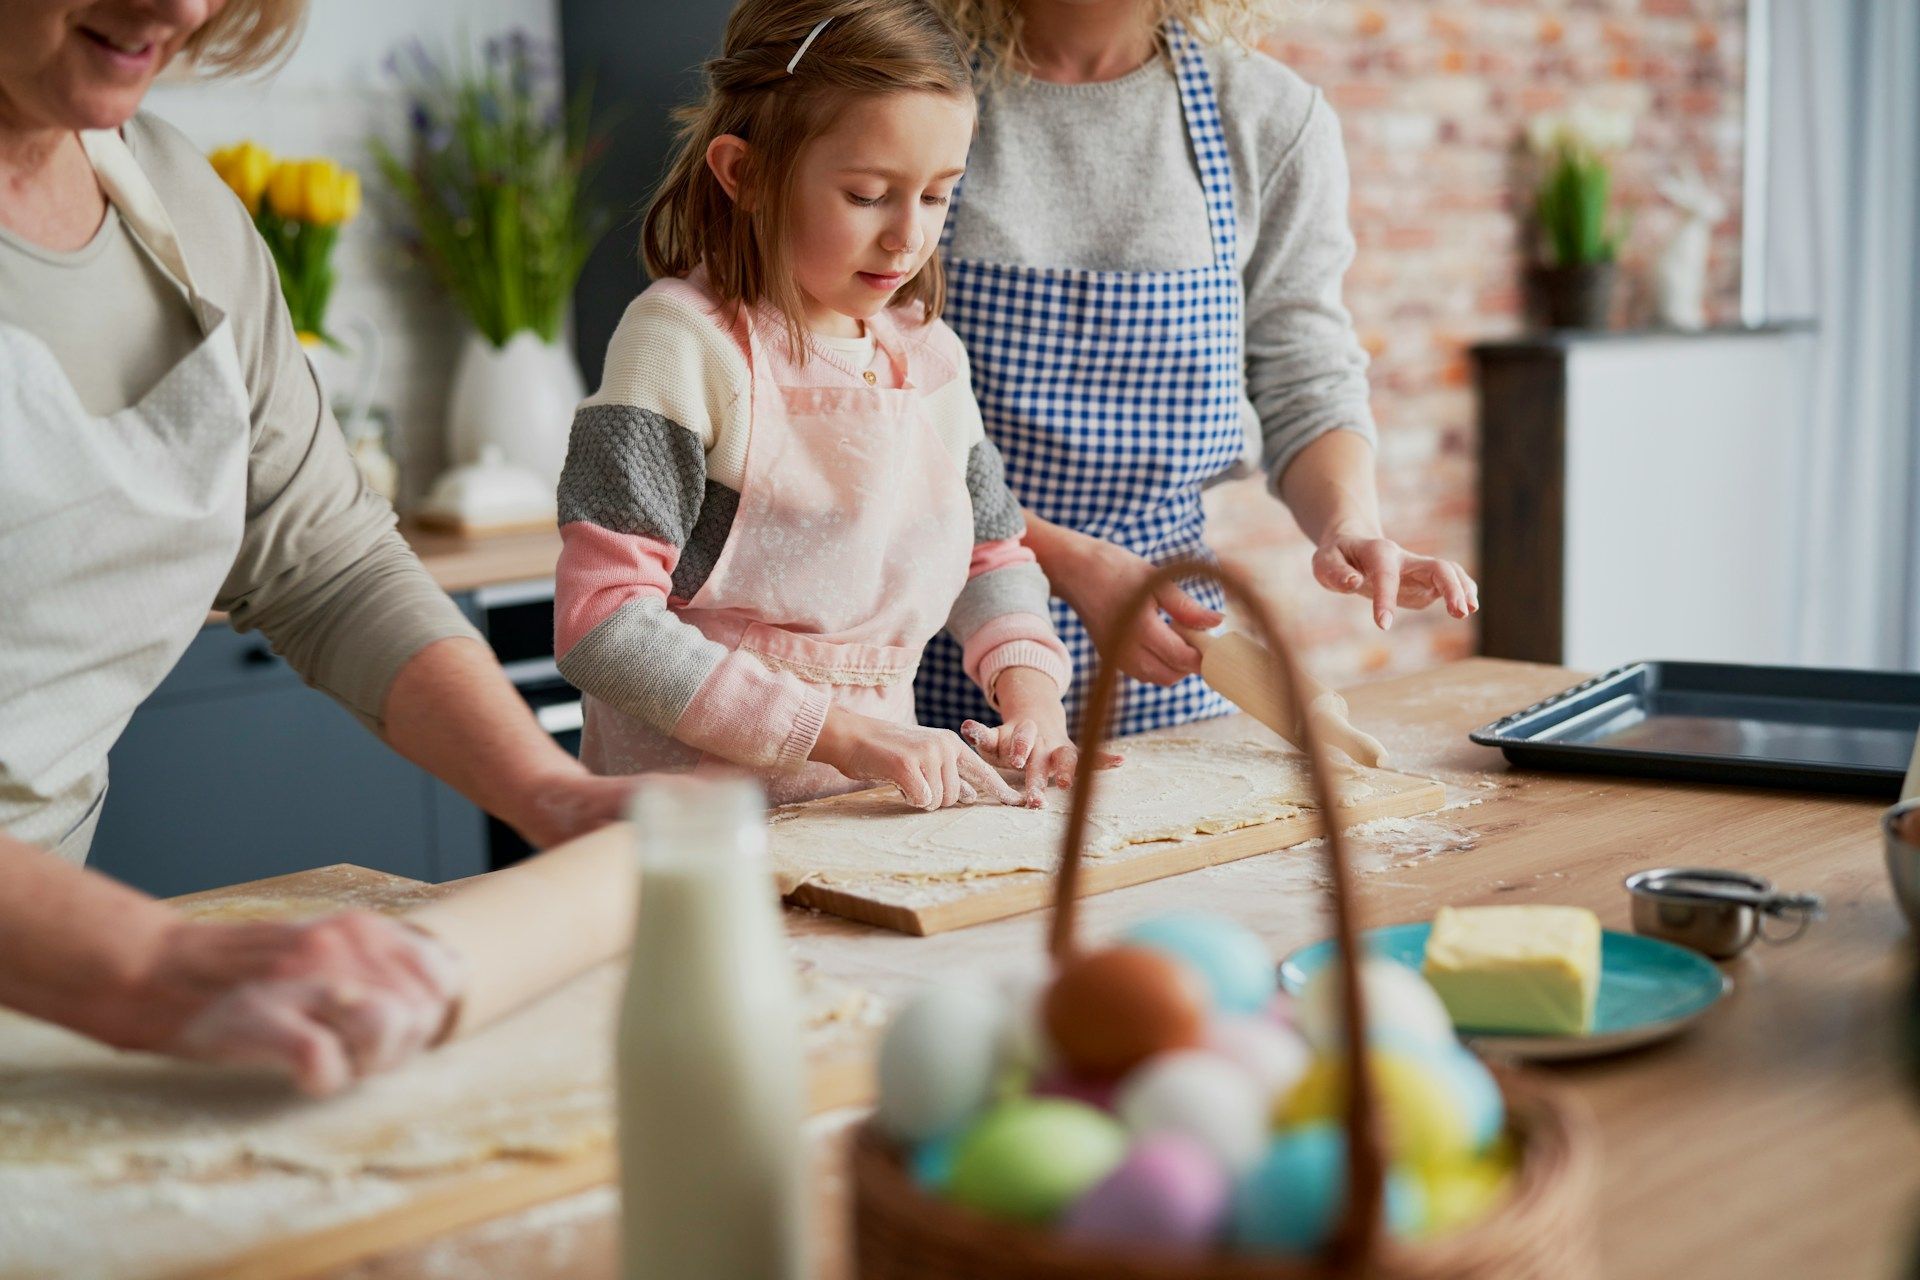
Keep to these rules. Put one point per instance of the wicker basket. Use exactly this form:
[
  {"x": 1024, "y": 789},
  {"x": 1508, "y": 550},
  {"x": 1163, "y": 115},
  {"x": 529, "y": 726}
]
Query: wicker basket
[{"x": 1542, "y": 1230}]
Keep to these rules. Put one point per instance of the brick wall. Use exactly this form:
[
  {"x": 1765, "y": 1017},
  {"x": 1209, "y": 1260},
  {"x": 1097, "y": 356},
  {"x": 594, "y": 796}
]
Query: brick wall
[{"x": 1433, "y": 96}]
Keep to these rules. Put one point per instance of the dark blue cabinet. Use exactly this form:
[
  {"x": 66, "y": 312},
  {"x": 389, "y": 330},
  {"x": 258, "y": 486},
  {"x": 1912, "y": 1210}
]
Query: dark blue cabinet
[{"x": 234, "y": 770}]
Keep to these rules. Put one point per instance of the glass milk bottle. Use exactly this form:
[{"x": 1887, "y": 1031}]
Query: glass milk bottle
[{"x": 711, "y": 1072}]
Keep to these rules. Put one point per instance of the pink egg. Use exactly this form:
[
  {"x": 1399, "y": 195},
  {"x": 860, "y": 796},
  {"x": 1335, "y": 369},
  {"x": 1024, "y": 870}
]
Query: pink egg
[
  {"x": 1284, "y": 1009},
  {"x": 1169, "y": 1190},
  {"x": 1276, "y": 1057},
  {"x": 1063, "y": 1084}
]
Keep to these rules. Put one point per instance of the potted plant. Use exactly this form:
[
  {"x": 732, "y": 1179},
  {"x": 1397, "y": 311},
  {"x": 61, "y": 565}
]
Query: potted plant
[
  {"x": 494, "y": 176},
  {"x": 1579, "y": 233}
]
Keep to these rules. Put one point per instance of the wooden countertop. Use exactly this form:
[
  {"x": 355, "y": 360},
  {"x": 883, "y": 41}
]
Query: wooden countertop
[
  {"x": 1779, "y": 1132},
  {"x": 460, "y": 563}
]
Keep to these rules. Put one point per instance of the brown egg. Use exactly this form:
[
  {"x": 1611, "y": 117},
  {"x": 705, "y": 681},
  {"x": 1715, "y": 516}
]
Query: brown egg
[
  {"x": 1107, "y": 1010},
  {"x": 1908, "y": 826}
]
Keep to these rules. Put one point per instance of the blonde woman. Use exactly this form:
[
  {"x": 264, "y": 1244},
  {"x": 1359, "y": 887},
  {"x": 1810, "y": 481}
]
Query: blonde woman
[
  {"x": 1144, "y": 262},
  {"x": 164, "y": 448}
]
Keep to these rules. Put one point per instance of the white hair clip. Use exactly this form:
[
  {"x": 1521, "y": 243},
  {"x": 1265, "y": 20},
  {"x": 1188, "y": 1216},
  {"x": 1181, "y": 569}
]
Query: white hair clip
[{"x": 801, "y": 52}]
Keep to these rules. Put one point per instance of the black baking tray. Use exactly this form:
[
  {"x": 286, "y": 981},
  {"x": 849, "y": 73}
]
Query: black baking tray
[{"x": 1801, "y": 727}]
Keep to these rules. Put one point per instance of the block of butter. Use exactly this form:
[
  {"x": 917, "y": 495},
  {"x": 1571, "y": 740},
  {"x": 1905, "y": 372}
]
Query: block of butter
[{"x": 1520, "y": 969}]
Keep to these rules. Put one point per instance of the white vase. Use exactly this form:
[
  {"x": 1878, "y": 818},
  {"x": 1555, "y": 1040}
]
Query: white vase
[{"x": 519, "y": 398}]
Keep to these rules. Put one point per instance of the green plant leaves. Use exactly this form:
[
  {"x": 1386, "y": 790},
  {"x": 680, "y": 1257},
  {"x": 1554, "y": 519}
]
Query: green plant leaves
[
  {"x": 494, "y": 180},
  {"x": 1572, "y": 209}
]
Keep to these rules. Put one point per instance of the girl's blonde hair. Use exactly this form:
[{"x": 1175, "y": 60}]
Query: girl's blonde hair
[
  {"x": 246, "y": 35},
  {"x": 991, "y": 28},
  {"x": 868, "y": 47}
]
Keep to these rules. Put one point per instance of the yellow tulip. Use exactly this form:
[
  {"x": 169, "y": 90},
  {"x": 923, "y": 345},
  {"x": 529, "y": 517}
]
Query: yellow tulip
[
  {"x": 314, "y": 191},
  {"x": 286, "y": 189},
  {"x": 244, "y": 167}
]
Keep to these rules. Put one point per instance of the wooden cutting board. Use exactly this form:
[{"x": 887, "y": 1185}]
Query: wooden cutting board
[{"x": 920, "y": 908}]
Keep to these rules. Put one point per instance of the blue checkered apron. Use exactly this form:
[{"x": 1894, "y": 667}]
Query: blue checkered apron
[{"x": 1114, "y": 395}]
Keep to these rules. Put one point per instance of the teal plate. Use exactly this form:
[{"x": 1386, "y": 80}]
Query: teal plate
[{"x": 1649, "y": 990}]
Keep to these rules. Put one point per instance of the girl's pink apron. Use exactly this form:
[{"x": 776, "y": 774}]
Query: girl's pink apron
[{"x": 849, "y": 547}]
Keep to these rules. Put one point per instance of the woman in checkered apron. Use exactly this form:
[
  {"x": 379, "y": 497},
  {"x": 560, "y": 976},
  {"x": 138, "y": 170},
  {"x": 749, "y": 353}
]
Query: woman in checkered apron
[{"x": 1145, "y": 264}]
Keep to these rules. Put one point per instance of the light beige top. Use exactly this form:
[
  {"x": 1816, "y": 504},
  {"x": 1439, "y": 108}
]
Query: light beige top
[{"x": 320, "y": 570}]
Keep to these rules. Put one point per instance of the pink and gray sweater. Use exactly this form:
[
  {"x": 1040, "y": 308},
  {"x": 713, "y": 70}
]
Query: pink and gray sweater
[{"x": 653, "y": 477}]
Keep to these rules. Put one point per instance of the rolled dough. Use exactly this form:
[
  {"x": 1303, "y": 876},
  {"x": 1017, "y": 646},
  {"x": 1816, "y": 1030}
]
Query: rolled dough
[{"x": 1167, "y": 789}]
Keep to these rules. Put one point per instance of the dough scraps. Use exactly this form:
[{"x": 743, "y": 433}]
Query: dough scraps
[{"x": 1167, "y": 789}]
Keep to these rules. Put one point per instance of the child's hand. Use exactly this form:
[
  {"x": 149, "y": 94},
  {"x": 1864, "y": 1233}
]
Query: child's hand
[
  {"x": 1363, "y": 561},
  {"x": 932, "y": 767},
  {"x": 1033, "y": 738}
]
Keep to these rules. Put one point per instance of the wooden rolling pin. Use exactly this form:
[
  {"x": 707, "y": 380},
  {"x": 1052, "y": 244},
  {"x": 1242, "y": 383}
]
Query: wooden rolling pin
[
  {"x": 1236, "y": 666},
  {"x": 525, "y": 929}
]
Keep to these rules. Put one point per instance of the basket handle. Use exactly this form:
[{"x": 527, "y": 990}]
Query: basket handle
[{"x": 1358, "y": 1232}]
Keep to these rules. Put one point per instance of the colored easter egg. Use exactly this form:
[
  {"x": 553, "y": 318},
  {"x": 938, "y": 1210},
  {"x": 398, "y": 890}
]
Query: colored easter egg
[
  {"x": 1292, "y": 1198},
  {"x": 1024, "y": 1052},
  {"x": 937, "y": 1061},
  {"x": 1398, "y": 1000},
  {"x": 1200, "y": 1094},
  {"x": 1478, "y": 1092},
  {"x": 1275, "y": 1056},
  {"x": 1237, "y": 966},
  {"x": 1473, "y": 1085},
  {"x": 1029, "y": 1158},
  {"x": 1109, "y": 1010},
  {"x": 1169, "y": 1190},
  {"x": 1424, "y": 1119},
  {"x": 1460, "y": 1193},
  {"x": 931, "y": 1163}
]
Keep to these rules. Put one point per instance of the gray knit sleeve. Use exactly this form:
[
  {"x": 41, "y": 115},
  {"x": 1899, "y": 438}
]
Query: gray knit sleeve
[
  {"x": 1012, "y": 588},
  {"x": 1306, "y": 370},
  {"x": 636, "y": 474}
]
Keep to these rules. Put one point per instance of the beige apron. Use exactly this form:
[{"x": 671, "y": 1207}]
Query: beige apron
[
  {"x": 115, "y": 535},
  {"x": 849, "y": 547}
]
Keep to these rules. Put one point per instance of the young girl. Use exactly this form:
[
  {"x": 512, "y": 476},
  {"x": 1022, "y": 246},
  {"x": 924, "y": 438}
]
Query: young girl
[{"x": 782, "y": 488}]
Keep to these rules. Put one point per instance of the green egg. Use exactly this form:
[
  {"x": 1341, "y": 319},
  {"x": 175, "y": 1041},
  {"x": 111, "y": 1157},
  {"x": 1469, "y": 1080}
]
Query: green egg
[{"x": 1028, "y": 1159}]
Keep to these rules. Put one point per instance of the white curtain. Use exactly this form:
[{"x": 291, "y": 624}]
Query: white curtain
[{"x": 1842, "y": 249}]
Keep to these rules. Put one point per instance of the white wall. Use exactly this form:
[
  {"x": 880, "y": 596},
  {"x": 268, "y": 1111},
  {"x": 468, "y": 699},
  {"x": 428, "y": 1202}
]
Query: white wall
[{"x": 328, "y": 100}]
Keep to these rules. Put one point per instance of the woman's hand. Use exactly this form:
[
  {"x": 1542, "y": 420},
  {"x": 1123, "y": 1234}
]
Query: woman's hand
[
  {"x": 328, "y": 1002},
  {"x": 1096, "y": 578},
  {"x": 932, "y": 767},
  {"x": 1033, "y": 735},
  {"x": 1359, "y": 560}
]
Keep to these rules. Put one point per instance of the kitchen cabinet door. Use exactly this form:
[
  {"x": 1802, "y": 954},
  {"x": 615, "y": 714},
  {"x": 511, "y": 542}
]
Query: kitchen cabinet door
[{"x": 233, "y": 770}]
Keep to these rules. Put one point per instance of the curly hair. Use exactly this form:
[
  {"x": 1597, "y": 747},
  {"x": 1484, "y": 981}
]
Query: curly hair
[{"x": 991, "y": 28}]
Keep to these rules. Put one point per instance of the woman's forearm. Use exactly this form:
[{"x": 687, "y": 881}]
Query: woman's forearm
[
  {"x": 1330, "y": 485},
  {"x": 451, "y": 711},
  {"x": 75, "y": 946}
]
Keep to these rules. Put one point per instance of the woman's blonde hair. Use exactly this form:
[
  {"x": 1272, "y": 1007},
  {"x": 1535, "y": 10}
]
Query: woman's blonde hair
[
  {"x": 991, "y": 28},
  {"x": 867, "y": 48},
  {"x": 246, "y": 35}
]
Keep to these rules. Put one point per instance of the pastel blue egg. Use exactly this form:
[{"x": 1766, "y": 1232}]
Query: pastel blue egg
[
  {"x": 1291, "y": 1200},
  {"x": 1486, "y": 1110},
  {"x": 931, "y": 1163},
  {"x": 1467, "y": 1077},
  {"x": 1237, "y": 966}
]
